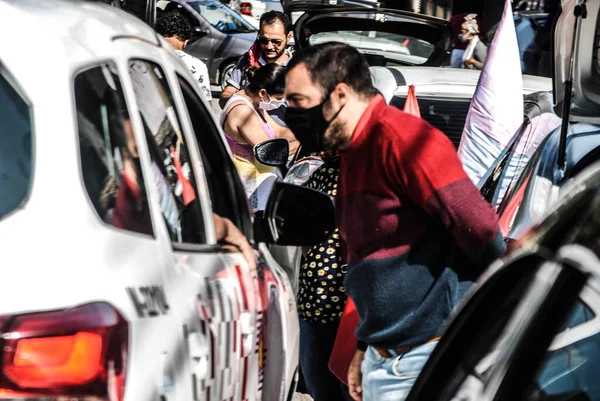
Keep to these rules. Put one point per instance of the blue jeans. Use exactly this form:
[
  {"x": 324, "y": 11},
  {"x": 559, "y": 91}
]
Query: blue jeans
[
  {"x": 316, "y": 343},
  {"x": 390, "y": 379}
]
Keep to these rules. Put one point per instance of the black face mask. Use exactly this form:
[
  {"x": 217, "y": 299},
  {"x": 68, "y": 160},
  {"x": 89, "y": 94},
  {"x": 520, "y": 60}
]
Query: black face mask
[{"x": 309, "y": 125}]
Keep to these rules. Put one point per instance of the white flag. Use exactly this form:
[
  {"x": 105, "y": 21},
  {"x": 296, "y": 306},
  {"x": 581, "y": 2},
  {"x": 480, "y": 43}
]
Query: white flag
[{"x": 496, "y": 111}]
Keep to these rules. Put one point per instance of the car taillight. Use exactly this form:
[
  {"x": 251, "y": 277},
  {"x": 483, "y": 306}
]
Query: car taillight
[
  {"x": 79, "y": 352},
  {"x": 246, "y": 8}
]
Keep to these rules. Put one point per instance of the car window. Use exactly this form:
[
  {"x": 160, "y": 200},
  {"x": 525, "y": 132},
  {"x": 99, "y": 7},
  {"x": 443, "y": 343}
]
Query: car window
[
  {"x": 108, "y": 153},
  {"x": 222, "y": 17},
  {"x": 16, "y": 131},
  {"x": 173, "y": 175},
  {"x": 571, "y": 364},
  {"x": 447, "y": 115},
  {"x": 475, "y": 331},
  {"x": 227, "y": 195},
  {"x": 393, "y": 46}
]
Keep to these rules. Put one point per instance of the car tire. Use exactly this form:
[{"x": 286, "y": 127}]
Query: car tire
[{"x": 226, "y": 71}]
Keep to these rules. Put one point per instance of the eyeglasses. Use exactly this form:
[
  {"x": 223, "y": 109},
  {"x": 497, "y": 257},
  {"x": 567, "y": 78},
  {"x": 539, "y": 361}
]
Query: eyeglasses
[{"x": 265, "y": 41}]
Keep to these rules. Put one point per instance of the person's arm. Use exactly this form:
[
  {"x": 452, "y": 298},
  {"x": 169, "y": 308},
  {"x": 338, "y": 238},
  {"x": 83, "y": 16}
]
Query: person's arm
[
  {"x": 247, "y": 124},
  {"x": 284, "y": 132},
  {"x": 480, "y": 55},
  {"x": 226, "y": 232},
  {"x": 424, "y": 164},
  {"x": 234, "y": 83}
]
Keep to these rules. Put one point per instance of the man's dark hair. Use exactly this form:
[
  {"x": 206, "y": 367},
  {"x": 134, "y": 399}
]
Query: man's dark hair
[
  {"x": 270, "y": 77},
  {"x": 273, "y": 16},
  {"x": 332, "y": 63},
  {"x": 176, "y": 24}
]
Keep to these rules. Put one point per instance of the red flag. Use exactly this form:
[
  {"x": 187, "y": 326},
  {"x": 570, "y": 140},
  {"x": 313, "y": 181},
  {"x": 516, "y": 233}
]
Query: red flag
[
  {"x": 254, "y": 54},
  {"x": 344, "y": 347},
  {"x": 187, "y": 189},
  {"x": 411, "y": 106}
]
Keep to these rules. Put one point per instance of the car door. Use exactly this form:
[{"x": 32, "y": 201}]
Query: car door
[
  {"x": 201, "y": 279},
  {"x": 275, "y": 369},
  {"x": 502, "y": 355},
  {"x": 126, "y": 243}
]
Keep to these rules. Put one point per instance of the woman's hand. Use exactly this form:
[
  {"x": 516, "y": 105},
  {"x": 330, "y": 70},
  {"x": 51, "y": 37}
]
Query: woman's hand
[
  {"x": 355, "y": 376},
  {"x": 470, "y": 61}
]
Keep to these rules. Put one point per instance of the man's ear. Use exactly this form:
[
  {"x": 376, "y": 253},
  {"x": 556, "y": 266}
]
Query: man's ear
[
  {"x": 290, "y": 35},
  {"x": 342, "y": 90}
]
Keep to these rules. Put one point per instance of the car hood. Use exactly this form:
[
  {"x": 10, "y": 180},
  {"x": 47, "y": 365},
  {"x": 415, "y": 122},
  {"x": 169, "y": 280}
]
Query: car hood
[{"x": 383, "y": 35}]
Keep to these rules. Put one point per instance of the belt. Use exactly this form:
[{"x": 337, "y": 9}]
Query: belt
[{"x": 393, "y": 352}]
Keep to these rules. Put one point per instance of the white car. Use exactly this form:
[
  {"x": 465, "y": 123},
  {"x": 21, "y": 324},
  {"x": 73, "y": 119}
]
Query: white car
[
  {"x": 444, "y": 93},
  {"x": 111, "y": 170}
]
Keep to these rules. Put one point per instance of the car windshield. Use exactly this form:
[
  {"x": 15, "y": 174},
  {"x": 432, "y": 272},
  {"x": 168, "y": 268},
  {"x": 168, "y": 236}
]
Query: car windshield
[
  {"x": 16, "y": 164},
  {"x": 398, "y": 48},
  {"x": 222, "y": 17}
]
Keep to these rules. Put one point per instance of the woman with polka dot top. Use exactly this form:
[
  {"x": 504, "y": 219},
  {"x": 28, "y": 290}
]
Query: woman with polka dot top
[{"x": 321, "y": 300}]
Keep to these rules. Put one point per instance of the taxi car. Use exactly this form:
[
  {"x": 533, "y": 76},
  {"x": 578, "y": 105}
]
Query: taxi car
[{"x": 112, "y": 169}]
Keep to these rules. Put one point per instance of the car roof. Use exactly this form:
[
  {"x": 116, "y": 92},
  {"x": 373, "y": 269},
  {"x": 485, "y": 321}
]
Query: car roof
[
  {"x": 67, "y": 35},
  {"x": 73, "y": 24},
  {"x": 440, "y": 81}
]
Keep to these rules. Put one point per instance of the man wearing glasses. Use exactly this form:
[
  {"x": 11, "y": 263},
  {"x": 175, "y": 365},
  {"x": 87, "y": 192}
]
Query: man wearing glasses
[{"x": 271, "y": 46}]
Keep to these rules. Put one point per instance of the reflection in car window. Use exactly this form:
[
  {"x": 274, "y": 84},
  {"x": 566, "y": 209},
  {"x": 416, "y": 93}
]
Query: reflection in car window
[
  {"x": 395, "y": 47},
  {"x": 173, "y": 175},
  {"x": 222, "y": 17},
  {"x": 575, "y": 366},
  {"x": 16, "y": 164},
  {"x": 109, "y": 158},
  {"x": 499, "y": 336}
]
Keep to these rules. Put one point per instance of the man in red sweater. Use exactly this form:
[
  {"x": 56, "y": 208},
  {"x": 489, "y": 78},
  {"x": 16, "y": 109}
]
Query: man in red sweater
[{"x": 416, "y": 231}]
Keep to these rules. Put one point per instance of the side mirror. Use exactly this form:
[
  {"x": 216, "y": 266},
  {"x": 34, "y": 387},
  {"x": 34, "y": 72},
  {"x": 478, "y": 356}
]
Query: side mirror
[
  {"x": 295, "y": 216},
  {"x": 199, "y": 31},
  {"x": 273, "y": 152}
]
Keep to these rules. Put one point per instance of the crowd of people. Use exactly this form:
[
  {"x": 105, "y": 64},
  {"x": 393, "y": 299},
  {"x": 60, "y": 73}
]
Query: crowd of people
[{"x": 413, "y": 232}]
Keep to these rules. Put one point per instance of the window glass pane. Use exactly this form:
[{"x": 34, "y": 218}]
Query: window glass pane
[
  {"x": 222, "y": 17},
  {"x": 173, "y": 176},
  {"x": 447, "y": 115},
  {"x": 574, "y": 365},
  {"x": 214, "y": 156},
  {"x": 500, "y": 335},
  {"x": 109, "y": 158},
  {"x": 393, "y": 46},
  {"x": 16, "y": 165}
]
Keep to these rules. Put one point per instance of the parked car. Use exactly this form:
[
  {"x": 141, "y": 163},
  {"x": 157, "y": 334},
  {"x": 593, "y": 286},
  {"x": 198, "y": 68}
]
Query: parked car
[
  {"x": 221, "y": 37},
  {"x": 444, "y": 94},
  {"x": 530, "y": 329},
  {"x": 567, "y": 150},
  {"x": 386, "y": 37},
  {"x": 112, "y": 167},
  {"x": 256, "y": 8}
]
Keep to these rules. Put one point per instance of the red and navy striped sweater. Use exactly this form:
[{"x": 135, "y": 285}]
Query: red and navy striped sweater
[{"x": 415, "y": 229}]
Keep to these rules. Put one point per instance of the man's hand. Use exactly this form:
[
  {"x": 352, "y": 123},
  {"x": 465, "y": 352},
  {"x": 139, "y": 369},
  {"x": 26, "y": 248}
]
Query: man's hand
[
  {"x": 228, "y": 233},
  {"x": 355, "y": 376},
  {"x": 470, "y": 61}
]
